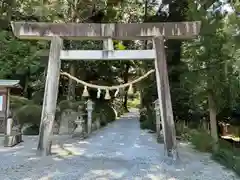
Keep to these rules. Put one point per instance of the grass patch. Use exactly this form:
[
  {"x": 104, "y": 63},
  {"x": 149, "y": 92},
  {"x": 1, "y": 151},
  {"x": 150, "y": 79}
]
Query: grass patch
[{"x": 226, "y": 154}]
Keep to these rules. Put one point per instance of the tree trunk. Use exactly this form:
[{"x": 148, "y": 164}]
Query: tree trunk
[
  {"x": 72, "y": 69},
  {"x": 71, "y": 83},
  {"x": 125, "y": 78},
  {"x": 213, "y": 117}
]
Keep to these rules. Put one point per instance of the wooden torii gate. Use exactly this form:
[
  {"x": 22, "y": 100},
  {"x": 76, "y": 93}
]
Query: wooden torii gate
[{"x": 56, "y": 32}]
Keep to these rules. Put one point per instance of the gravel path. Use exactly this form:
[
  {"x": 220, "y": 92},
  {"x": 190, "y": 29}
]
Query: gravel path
[{"x": 120, "y": 151}]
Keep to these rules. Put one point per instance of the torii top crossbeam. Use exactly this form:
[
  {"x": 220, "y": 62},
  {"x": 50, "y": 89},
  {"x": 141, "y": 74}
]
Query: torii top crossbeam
[{"x": 94, "y": 31}]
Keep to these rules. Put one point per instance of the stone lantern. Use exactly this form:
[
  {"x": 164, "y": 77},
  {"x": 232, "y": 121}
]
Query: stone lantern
[
  {"x": 158, "y": 120},
  {"x": 89, "y": 117},
  {"x": 80, "y": 129}
]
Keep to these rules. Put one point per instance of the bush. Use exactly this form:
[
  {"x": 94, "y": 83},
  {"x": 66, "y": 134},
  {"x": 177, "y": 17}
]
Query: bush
[
  {"x": 17, "y": 102},
  {"x": 225, "y": 154},
  {"x": 105, "y": 111},
  {"x": 37, "y": 97},
  {"x": 65, "y": 104},
  {"x": 31, "y": 129},
  {"x": 30, "y": 114},
  {"x": 75, "y": 105},
  {"x": 118, "y": 105},
  {"x": 143, "y": 115},
  {"x": 134, "y": 103},
  {"x": 201, "y": 140},
  {"x": 148, "y": 119}
]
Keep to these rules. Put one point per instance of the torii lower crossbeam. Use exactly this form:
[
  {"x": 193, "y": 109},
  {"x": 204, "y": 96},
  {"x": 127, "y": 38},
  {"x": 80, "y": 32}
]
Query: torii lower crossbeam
[{"x": 105, "y": 55}]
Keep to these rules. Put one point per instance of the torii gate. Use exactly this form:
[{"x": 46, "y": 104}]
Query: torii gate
[{"x": 157, "y": 32}]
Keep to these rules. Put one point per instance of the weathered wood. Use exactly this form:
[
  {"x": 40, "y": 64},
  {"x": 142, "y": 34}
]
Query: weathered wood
[
  {"x": 164, "y": 97},
  {"x": 50, "y": 96},
  {"x": 104, "y": 55},
  {"x": 171, "y": 30},
  {"x": 158, "y": 120}
]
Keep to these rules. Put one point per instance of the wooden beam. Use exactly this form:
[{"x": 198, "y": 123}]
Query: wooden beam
[
  {"x": 103, "y": 55},
  {"x": 93, "y": 31},
  {"x": 108, "y": 55},
  {"x": 50, "y": 96},
  {"x": 164, "y": 96}
]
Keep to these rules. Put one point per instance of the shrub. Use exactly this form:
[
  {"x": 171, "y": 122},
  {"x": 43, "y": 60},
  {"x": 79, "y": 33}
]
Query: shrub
[
  {"x": 201, "y": 140},
  {"x": 65, "y": 104},
  {"x": 134, "y": 103},
  {"x": 30, "y": 114},
  {"x": 105, "y": 111},
  {"x": 118, "y": 105},
  {"x": 17, "y": 102},
  {"x": 225, "y": 154},
  {"x": 148, "y": 119},
  {"x": 37, "y": 97},
  {"x": 75, "y": 105},
  {"x": 143, "y": 115},
  {"x": 31, "y": 130}
]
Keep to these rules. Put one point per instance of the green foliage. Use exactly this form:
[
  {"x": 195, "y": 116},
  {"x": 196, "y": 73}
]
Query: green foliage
[
  {"x": 28, "y": 114},
  {"x": 201, "y": 140},
  {"x": 228, "y": 157},
  {"x": 75, "y": 105},
  {"x": 182, "y": 131},
  {"x": 17, "y": 57},
  {"x": 17, "y": 102},
  {"x": 104, "y": 111},
  {"x": 118, "y": 105},
  {"x": 70, "y": 104},
  {"x": 31, "y": 130},
  {"x": 225, "y": 154},
  {"x": 148, "y": 119},
  {"x": 65, "y": 104},
  {"x": 37, "y": 97},
  {"x": 134, "y": 102}
]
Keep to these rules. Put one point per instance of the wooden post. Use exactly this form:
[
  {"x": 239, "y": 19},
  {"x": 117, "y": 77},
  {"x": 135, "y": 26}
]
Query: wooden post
[
  {"x": 50, "y": 96},
  {"x": 164, "y": 97}
]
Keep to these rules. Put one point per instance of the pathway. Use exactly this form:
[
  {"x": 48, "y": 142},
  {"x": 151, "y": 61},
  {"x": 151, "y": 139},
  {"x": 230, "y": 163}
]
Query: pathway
[{"x": 119, "y": 151}]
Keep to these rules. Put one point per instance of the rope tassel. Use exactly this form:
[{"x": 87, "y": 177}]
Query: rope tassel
[
  {"x": 85, "y": 92},
  {"x": 107, "y": 95},
  {"x": 116, "y": 93},
  {"x": 130, "y": 90},
  {"x": 99, "y": 93}
]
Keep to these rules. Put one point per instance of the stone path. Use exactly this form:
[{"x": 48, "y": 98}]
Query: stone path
[{"x": 120, "y": 151}]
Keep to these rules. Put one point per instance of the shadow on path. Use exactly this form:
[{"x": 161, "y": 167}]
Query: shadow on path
[{"x": 119, "y": 151}]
